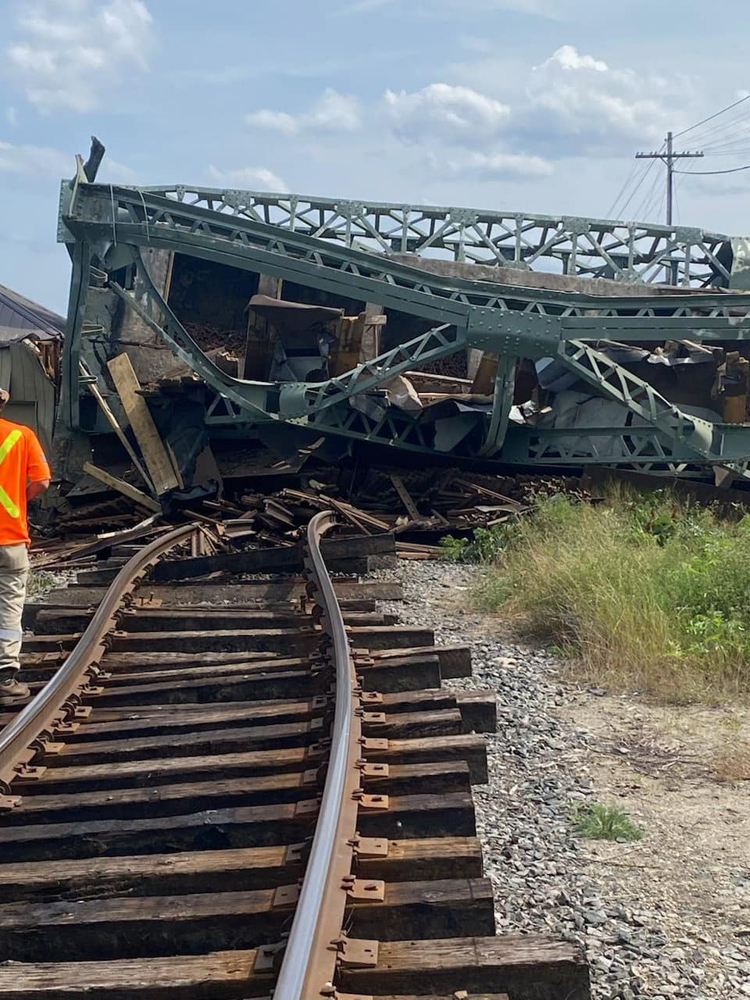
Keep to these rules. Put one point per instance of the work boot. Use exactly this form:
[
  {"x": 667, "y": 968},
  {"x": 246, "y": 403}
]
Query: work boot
[{"x": 13, "y": 691}]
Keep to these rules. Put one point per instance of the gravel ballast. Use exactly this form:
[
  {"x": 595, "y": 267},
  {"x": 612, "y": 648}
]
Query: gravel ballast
[{"x": 545, "y": 879}]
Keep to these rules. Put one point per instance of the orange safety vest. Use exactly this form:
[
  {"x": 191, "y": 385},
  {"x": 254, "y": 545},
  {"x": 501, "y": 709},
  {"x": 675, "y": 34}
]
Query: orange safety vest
[{"x": 22, "y": 461}]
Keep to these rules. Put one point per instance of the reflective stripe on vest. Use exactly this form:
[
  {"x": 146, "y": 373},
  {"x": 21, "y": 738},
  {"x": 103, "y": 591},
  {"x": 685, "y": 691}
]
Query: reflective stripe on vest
[{"x": 7, "y": 502}]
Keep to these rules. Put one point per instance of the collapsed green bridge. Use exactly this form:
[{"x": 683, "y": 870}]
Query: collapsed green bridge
[{"x": 566, "y": 341}]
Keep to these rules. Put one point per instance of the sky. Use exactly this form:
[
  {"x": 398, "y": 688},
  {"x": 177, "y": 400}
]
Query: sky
[{"x": 531, "y": 106}]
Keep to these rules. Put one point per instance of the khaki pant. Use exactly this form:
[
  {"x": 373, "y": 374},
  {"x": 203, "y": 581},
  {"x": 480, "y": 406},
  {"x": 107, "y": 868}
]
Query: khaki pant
[{"x": 14, "y": 571}]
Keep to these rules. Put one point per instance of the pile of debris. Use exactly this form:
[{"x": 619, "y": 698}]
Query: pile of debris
[{"x": 276, "y": 498}]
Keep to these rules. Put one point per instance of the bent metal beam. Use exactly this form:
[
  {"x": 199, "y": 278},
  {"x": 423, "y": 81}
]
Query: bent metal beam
[{"x": 337, "y": 248}]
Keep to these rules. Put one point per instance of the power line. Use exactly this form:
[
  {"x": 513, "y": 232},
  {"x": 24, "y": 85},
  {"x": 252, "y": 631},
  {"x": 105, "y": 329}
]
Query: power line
[
  {"x": 711, "y": 117},
  {"x": 637, "y": 184},
  {"x": 722, "y": 128},
  {"x": 611, "y": 209},
  {"x": 708, "y": 173},
  {"x": 654, "y": 201},
  {"x": 741, "y": 139},
  {"x": 640, "y": 212},
  {"x": 718, "y": 142}
]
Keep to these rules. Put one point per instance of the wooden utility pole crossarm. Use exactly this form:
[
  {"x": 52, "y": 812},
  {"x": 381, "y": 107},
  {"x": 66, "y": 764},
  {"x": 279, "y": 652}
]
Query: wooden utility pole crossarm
[{"x": 669, "y": 157}]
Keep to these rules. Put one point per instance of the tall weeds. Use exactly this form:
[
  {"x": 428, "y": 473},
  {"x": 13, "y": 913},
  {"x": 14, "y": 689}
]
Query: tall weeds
[{"x": 642, "y": 592}]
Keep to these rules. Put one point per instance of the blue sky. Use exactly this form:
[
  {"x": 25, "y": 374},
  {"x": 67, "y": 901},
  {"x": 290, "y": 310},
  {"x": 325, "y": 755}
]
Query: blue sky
[{"x": 522, "y": 105}]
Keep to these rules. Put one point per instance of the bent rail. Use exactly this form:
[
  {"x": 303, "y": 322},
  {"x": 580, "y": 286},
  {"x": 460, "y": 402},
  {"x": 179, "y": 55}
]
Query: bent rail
[
  {"x": 315, "y": 941},
  {"x": 47, "y": 710}
]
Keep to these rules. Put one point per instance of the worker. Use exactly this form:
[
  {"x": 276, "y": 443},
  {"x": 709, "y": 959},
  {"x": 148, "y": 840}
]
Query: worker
[{"x": 24, "y": 474}]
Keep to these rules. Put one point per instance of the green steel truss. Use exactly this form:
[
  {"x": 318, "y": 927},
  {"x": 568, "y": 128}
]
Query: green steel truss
[
  {"x": 597, "y": 248},
  {"x": 324, "y": 245}
]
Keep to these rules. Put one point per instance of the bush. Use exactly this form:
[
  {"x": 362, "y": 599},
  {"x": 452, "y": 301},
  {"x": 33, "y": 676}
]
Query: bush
[
  {"x": 639, "y": 591},
  {"x": 598, "y": 822},
  {"x": 484, "y": 547}
]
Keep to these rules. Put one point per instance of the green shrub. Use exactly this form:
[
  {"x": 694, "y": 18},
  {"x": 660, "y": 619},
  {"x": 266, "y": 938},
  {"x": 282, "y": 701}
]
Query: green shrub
[
  {"x": 485, "y": 546},
  {"x": 646, "y": 592}
]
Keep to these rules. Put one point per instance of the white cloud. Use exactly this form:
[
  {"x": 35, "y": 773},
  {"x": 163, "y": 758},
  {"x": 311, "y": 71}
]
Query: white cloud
[
  {"x": 446, "y": 113},
  {"x": 568, "y": 58},
  {"x": 67, "y": 52},
  {"x": 491, "y": 166},
  {"x": 582, "y": 96},
  {"x": 39, "y": 160},
  {"x": 332, "y": 112},
  {"x": 280, "y": 121},
  {"x": 253, "y": 178}
]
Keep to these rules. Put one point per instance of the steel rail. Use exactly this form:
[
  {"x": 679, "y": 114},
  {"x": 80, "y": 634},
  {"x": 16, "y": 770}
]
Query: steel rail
[
  {"x": 311, "y": 954},
  {"x": 47, "y": 709}
]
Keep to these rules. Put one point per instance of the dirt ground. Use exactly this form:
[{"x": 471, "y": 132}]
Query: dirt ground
[{"x": 683, "y": 774}]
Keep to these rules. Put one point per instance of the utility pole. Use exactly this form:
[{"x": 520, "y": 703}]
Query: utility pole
[{"x": 669, "y": 158}]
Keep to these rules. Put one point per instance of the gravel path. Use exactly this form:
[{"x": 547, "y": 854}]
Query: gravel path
[{"x": 546, "y": 880}]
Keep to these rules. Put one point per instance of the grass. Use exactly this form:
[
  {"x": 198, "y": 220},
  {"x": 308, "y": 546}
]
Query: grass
[
  {"x": 599, "y": 822},
  {"x": 641, "y": 592}
]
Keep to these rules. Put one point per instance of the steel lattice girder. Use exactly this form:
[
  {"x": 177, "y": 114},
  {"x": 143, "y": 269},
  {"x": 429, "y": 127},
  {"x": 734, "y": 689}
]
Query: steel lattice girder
[
  {"x": 586, "y": 247},
  {"x": 499, "y": 317},
  {"x": 509, "y": 320}
]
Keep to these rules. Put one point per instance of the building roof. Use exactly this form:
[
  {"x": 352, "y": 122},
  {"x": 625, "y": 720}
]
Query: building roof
[{"x": 21, "y": 318}]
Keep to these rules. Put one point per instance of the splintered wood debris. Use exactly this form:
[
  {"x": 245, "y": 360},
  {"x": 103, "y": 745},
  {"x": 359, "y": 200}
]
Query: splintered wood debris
[{"x": 274, "y": 499}]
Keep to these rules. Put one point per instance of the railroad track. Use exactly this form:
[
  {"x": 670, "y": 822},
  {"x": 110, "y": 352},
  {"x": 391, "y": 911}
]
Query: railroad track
[{"x": 254, "y": 787}]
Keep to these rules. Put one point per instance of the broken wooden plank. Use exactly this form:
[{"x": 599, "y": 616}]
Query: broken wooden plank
[
  {"x": 122, "y": 487},
  {"x": 151, "y": 445},
  {"x": 405, "y": 497},
  {"x": 105, "y": 408}
]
